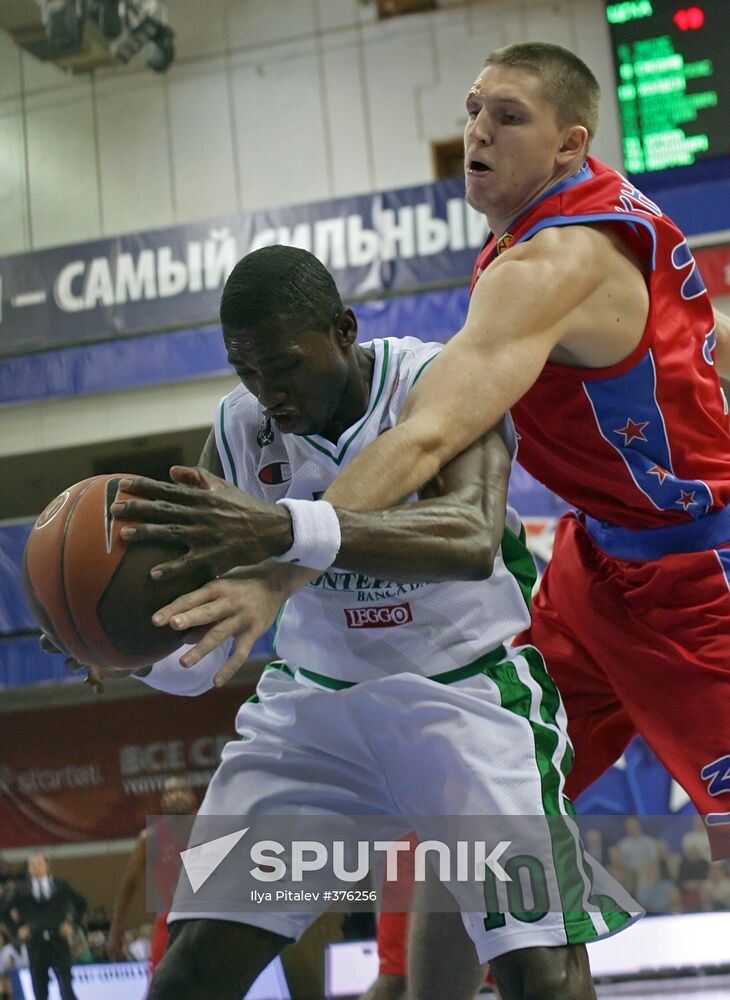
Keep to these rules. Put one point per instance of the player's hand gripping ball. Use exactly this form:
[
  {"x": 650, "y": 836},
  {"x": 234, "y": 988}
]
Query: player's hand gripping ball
[{"x": 90, "y": 591}]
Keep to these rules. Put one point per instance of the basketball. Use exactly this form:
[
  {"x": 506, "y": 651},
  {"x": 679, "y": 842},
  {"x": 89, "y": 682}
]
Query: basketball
[{"x": 89, "y": 590}]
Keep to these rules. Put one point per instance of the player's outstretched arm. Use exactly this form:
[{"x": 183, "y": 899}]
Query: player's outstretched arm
[
  {"x": 553, "y": 290},
  {"x": 453, "y": 533}
]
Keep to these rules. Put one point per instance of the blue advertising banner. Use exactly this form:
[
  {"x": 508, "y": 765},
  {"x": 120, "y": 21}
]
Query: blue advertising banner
[{"x": 171, "y": 278}]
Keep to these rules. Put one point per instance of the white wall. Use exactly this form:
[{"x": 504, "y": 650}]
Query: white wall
[{"x": 269, "y": 102}]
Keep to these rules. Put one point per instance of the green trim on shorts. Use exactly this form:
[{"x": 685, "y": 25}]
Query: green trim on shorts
[
  {"x": 280, "y": 665},
  {"x": 478, "y": 666},
  {"x": 518, "y": 561},
  {"x": 227, "y": 446},
  {"x": 572, "y": 869}
]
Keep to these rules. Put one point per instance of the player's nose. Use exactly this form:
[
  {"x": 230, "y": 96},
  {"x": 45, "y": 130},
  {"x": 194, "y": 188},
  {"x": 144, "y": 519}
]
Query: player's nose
[
  {"x": 271, "y": 395},
  {"x": 480, "y": 130}
]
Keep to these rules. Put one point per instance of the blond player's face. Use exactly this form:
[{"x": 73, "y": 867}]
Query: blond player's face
[{"x": 511, "y": 141}]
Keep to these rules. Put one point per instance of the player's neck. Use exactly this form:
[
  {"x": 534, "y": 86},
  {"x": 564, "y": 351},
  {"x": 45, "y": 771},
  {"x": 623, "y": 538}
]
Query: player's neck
[
  {"x": 355, "y": 394},
  {"x": 501, "y": 217}
]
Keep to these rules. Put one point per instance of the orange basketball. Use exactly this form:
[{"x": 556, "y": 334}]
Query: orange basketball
[{"x": 89, "y": 590}]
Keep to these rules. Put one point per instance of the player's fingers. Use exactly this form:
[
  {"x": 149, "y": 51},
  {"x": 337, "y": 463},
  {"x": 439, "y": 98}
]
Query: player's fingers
[
  {"x": 186, "y": 475},
  {"x": 236, "y": 660},
  {"x": 151, "y": 489},
  {"x": 213, "y": 638},
  {"x": 153, "y": 511},
  {"x": 47, "y": 644},
  {"x": 169, "y": 534},
  {"x": 203, "y": 614},
  {"x": 184, "y": 603},
  {"x": 189, "y": 562},
  {"x": 93, "y": 684}
]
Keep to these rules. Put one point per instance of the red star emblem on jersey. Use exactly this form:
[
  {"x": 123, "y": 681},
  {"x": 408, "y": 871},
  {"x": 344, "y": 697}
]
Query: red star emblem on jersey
[
  {"x": 632, "y": 431},
  {"x": 659, "y": 472},
  {"x": 687, "y": 500}
]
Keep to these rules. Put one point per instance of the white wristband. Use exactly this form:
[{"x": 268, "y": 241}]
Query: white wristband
[{"x": 316, "y": 531}]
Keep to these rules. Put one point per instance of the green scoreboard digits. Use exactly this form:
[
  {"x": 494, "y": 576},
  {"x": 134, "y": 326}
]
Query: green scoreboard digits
[{"x": 672, "y": 60}]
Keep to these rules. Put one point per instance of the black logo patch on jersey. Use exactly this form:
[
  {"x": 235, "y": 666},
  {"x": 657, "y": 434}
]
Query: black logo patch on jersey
[
  {"x": 275, "y": 474},
  {"x": 265, "y": 433}
]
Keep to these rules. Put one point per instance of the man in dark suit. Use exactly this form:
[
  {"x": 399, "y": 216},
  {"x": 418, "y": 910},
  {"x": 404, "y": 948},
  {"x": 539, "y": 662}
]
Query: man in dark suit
[{"x": 46, "y": 904}]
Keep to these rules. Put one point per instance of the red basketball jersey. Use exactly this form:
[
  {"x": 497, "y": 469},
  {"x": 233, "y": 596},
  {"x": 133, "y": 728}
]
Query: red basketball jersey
[{"x": 644, "y": 443}]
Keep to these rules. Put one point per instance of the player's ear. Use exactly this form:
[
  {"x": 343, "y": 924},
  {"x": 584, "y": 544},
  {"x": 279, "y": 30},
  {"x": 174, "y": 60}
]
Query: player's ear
[
  {"x": 346, "y": 327},
  {"x": 574, "y": 144}
]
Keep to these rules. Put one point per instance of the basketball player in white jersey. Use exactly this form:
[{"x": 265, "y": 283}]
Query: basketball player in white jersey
[{"x": 387, "y": 677}]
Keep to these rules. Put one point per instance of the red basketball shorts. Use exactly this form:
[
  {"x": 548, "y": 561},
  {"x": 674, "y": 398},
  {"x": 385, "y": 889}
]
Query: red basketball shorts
[{"x": 642, "y": 647}]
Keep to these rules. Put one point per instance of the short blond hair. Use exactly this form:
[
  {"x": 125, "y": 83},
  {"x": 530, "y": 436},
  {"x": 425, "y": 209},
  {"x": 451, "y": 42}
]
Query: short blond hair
[{"x": 569, "y": 85}]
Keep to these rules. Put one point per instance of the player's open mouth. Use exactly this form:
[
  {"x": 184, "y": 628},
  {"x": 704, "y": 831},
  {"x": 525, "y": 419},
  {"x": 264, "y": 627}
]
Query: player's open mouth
[
  {"x": 283, "y": 419},
  {"x": 475, "y": 167}
]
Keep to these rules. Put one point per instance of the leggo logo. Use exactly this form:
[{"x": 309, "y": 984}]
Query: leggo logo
[{"x": 384, "y": 616}]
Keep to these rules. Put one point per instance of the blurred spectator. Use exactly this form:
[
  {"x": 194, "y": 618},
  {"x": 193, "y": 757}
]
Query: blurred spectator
[
  {"x": 8, "y": 910},
  {"x": 97, "y": 946},
  {"x": 45, "y": 904},
  {"x": 697, "y": 838},
  {"x": 98, "y": 919},
  {"x": 715, "y": 890},
  {"x": 668, "y": 863},
  {"x": 11, "y": 957},
  {"x": 637, "y": 849},
  {"x": 693, "y": 871},
  {"x": 78, "y": 943},
  {"x": 139, "y": 946},
  {"x": 616, "y": 867},
  {"x": 654, "y": 891},
  {"x": 595, "y": 846},
  {"x": 675, "y": 902}
]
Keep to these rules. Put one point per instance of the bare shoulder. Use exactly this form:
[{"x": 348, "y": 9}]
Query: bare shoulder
[
  {"x": 594, "y": 269},
  {"x": 594, "y": 246}
]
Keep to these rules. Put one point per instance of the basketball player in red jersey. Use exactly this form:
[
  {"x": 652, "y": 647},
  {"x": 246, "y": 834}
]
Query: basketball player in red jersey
[
  {"x": 589, "y": 319},
  {"x": 177, "y": 799}
]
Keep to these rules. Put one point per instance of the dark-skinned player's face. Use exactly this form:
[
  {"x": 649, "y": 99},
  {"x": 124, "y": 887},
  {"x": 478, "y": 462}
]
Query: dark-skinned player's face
[{"x": 298, "y": 374}]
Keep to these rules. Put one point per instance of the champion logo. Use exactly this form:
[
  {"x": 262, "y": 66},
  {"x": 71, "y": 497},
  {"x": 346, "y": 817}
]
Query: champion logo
[
  {"x": 383, "y": 616},
  {"x": 275, "y": 473}
]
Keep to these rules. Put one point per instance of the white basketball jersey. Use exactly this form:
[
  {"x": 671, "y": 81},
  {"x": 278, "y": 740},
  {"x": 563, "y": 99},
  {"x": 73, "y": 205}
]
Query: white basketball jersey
[{"x": 347, "y": 626}]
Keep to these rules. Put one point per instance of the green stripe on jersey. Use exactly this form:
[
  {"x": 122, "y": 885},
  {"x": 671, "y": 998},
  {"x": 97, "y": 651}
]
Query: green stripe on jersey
[
  {"x": 224, "y": 439},
  {"x": 337, "y": 459},
  {"x": 422, "y": 369},
  {"x": 519, "y": 562}
]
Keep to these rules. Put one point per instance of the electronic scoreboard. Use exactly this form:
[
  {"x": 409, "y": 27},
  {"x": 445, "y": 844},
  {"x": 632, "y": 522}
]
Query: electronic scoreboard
[{"x": 672, "y": 61}]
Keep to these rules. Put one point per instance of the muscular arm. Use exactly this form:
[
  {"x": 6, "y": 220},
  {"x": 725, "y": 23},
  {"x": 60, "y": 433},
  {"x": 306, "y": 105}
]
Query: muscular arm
[
  {"x": 576, "y": 291},
  {"x": 451, "y": 534}
]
